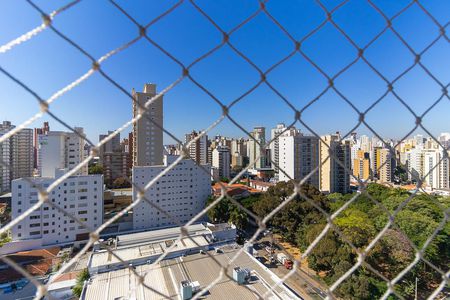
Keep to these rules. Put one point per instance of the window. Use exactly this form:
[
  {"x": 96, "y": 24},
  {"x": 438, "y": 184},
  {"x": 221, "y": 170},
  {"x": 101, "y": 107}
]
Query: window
[
  {"x": 35, "y": 233},
  {"x": 82, "y": 212},
  {"x": 35, "y": 225}
]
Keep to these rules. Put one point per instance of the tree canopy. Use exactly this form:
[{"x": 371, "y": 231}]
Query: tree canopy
[{"x": 302, "y": 218}]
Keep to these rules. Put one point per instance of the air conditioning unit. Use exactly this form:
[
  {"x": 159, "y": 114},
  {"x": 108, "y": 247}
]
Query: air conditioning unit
[
  {"x": 241, "y": 275},
  {"x": 188, "y": 288}
]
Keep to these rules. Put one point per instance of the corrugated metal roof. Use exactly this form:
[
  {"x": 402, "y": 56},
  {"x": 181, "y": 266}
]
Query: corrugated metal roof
[{"x": 167, "y": 275}]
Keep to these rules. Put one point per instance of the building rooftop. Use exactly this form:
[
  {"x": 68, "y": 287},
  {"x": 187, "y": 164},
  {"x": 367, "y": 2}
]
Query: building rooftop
[
  {"x": 35, "y": 262},
  {"x": 147, "y": 250},
  {"x": 122, "y": 192},
  {"x": 157, "y": 235},
  {"x": 7, "y": 195},
  {"x": 165, "y": 278},
  {"x": 233, "y": 189},
  {"x": 219, "y": 227}
]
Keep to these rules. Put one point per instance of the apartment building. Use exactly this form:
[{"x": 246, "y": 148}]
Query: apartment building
[
  {"x": 16, "y": 154},
  {"x": 361, "y": 165},
  {"x": 38, "y": 131},
  {"x": 61, "y": 150},
  {"x": 275, "y": 133},
  {"x": 198, "y": 149},
  {"x": 387, "y": 166},
  {"x": 334, "y": 174},
  {"x": 80, "y": 196},
  {"x": 181, "y": 192},
  {"x": 414, "y": 163},
  {"x": 239, "y": 146},
  {"x": 114, "y": 159},
  {"x": 437, "y": 169},
  {"x": 298, "y": 157},
  {"x": 147, "y": 131},
  {"x": 238, "y": 153},
  {"x": 221, "y": 162},
  {"x": 257, "y": 156}
]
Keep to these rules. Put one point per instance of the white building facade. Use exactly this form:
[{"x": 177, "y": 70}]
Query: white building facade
[
  {"x": 437, "y": 169},
  {"x": 60, "y": 150},
  {"x": 299, "y": 156},
  {"x": 275, "y": 134},
  {"x": 181, "y": 192},
  {"x": 221, "y": 162},
  {"x": 80, "y": 196}
]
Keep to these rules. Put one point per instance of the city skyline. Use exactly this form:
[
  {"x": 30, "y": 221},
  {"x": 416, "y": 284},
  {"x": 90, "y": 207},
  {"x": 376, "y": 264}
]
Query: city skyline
[
  {"x": 47, "y": 64},
  {"x": 241, "y": 149}
]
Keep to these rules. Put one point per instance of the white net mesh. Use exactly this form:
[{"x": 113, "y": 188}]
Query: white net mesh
[{"x": 328, "y": 229}]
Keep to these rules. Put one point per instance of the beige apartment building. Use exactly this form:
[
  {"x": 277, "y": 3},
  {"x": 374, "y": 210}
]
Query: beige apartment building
[
  {"x": 198, "y": 149},
  {"x": 386, "y": 167},
  {"x": 147, "y": 131},
  {"x": 17, "y": 154}
]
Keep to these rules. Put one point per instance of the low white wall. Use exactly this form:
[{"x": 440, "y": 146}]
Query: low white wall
[{"x": 17, "y": 246}]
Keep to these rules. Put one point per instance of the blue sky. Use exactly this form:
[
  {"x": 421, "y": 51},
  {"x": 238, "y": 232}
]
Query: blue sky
[{"x": 46, "y": 63}]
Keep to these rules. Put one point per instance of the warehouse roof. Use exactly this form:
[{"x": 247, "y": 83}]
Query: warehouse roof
[
  {"x": 165, "y": 278},
  {"x": 129, "y": 254}
]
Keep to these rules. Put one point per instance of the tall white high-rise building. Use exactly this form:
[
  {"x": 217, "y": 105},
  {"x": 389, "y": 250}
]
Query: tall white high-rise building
[
  {"x": 221, "y": 162},
  {"x": 61, "y": 150},
  {"x": 148, "y": 136},
  {"x": 17, "y": 155},
  {"x": 181, "y": 192},
  {"x": 80, "y": 196},
  {"x": 299, "y": 156},
  {"x": 414, "y": 163},
  {"x": 437, "y": 170},
  {"x": 275, "y": 133}
]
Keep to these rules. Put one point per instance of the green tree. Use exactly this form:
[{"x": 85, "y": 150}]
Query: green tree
[
  {"x": 238, "y": 217},
  {"x": 356, "y": 226},
  {"x": 4, "y": 238},
  {"x": 121, "y": 183},
  {"x": 224, "y": 179},
  {"x": 95, "y": 169},
  {"x": 81, "y": 278},
  {"x": 220, "y": 213}
]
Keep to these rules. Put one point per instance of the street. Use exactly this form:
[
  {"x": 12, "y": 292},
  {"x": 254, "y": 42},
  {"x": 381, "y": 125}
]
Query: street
[{"x": 300, "y": 282}]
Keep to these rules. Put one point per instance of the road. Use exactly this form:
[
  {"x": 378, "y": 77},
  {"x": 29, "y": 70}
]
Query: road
[{"x": 300, "y": 282}]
